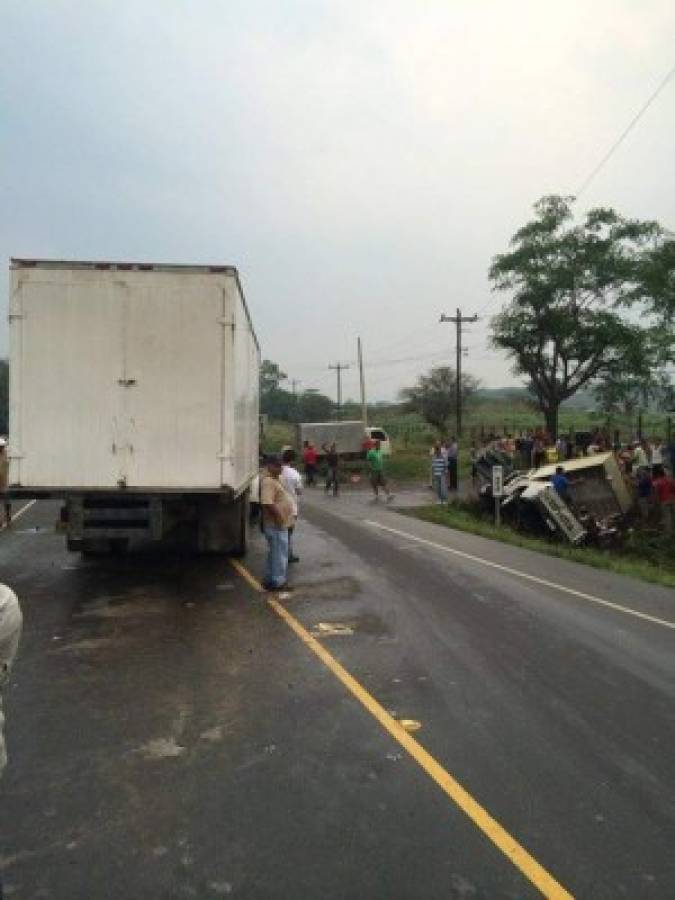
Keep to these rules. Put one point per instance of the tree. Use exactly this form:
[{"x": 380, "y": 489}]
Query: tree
[
  {"x": 274, "y": 400},
  {"x": 434, "y": 395},
  {"x": 271, "y": 377},
  {"x": 621, "y": 393},
  {"x": 564, "y": 327},
  {"x": 314, "y": 407}
]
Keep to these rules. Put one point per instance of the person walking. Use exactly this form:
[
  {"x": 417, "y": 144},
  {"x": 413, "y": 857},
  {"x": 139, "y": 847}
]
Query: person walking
[
  {"x": 291, "y": 481},
  {"x": 309, "y": 459},
  {"x": 439, "y": 475},
  {"x": 453, "y": 461},
  {"x": 10, "y": 633},
  {"x": 375, "y": 462},
  {"x": 332, "y": 461},
  {"x": 4, "y": 482},
  {"x": 277, "y": 518}
]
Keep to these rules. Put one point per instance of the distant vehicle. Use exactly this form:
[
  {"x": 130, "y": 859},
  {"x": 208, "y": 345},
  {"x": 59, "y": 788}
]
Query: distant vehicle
[
  {"x": 134, "y": 399},
  {"x": 350, "y": 437}
]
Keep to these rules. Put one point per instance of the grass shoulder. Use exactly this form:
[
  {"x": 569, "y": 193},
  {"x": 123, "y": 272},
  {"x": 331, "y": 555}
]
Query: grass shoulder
[{"x": 649, "y": 558}]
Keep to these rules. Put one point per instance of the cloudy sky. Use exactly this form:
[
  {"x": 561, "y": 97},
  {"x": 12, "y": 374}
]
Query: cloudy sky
[{"x": 359, "y": 162}]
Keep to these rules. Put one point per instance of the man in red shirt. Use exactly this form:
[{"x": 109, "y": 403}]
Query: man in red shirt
[
  {"x": 664, "y": 491},
  {"x": 309, "y": 459}
]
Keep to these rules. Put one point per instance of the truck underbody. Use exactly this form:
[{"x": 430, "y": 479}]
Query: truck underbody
[{"x": 100, "y": 521}]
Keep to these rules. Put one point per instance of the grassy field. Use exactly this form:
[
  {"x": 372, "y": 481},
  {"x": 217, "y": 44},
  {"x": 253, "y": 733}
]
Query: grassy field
[
  {"x": 504, "y": 417},
  {"x": 648, "y": 556}
]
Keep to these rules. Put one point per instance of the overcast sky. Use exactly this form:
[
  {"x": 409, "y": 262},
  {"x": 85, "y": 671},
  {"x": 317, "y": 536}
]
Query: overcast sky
[{"x": 359, "y": 162}]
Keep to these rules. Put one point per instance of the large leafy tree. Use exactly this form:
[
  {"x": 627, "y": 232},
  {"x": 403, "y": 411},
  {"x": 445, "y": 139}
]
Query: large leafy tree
[
  {"x": 433, "y": 396},
  {"x": 624, "y": 393},
  {"x": 274, "y": 400},
  {"x": 314, "y": 407},
  {"x": 566, "y": 325}
]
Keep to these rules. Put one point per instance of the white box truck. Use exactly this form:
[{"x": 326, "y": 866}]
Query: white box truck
[
  {"x": 349, "y": 437},
  {"x": 134, "y": 398}
]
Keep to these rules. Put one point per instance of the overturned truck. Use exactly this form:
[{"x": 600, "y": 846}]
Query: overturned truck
[{"x": 598, "y": 497}]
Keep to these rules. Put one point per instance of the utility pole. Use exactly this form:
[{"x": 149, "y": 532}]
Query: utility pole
[
  {"x": 294, "y": 385},
  {"x": 459, "y": 320},
  {"x": 364, "y": 406},
  {"x": 339, "y": 367}
]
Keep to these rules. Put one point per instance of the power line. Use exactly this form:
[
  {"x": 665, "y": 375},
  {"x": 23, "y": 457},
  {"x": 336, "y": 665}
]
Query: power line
[
  {"x": 339, "y": 368},
  {"x": 633, "y": 122}
]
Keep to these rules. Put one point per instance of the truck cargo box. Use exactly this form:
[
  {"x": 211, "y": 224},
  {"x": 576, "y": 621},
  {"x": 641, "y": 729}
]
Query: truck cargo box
[{"x": 131, "y": 376}]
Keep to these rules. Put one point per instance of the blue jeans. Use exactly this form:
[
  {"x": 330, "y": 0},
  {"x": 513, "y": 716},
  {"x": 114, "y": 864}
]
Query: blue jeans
[
  {"x": 441, "y": 487},
  {"x": 276, "y": 566}
]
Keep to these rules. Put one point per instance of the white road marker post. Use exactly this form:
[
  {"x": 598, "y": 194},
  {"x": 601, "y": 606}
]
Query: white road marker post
[{"x": 497, "y": 491}]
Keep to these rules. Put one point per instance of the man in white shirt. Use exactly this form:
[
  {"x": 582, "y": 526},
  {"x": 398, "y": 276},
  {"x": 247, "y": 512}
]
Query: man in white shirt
[
  {"x": 10, "y": 632},
  {"x": 291, "y": 480},
  {"x": 640, "y": 458}
]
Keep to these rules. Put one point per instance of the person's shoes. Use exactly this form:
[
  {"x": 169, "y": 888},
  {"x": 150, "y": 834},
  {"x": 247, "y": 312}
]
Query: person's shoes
[
  {"x": 293, "y": 559},
  {"x": 272, "y": 588}
]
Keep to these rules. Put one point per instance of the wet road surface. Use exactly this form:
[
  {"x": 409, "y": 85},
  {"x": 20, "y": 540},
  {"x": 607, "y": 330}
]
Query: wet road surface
[{"x": 171, "y": 736}]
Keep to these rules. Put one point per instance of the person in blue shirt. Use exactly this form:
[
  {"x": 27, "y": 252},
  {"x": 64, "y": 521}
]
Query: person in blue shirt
[{"x": 561, "y": 483}]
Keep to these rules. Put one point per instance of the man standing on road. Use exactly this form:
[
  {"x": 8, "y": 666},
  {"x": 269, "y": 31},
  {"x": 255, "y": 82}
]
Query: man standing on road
[
  {"x": 439, "y": 475},
  {"x": 309, "y": 459},
  {"x": 10, "y": 632},
  {"x": 291, "y": 480},
  {"x": 4, "y": 481},
  {"x": 332, "y": 461},
  {"x": 277, "y": 518},
  {"x": 376, "y": 467}
]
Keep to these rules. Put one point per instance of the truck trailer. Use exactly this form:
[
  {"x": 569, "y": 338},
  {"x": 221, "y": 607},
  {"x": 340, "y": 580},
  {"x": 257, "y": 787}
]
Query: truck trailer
[
  {"x": 349, "y": 437},
  {"x": 134, "y": 400}
]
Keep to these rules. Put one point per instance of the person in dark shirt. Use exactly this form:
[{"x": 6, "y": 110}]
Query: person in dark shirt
[{"x": 332, "y": 463}]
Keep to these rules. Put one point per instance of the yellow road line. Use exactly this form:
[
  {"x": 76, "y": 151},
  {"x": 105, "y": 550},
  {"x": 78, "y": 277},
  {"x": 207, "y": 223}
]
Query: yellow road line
[
  {"x": 509, "y": 846},
  {"x": 590, "y": 598},
  {"x": 19, "y": 513},
  {"x": 246, "y": 575}
]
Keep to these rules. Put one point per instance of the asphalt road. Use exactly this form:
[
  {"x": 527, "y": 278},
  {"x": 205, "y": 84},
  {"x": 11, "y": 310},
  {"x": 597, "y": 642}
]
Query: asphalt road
[{"x": 171, "y": 736}]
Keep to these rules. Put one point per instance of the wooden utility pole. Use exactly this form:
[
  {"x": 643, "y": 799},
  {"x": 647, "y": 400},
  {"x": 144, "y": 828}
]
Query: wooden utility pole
[
  {"x": 459, "y": 320},
  {"x": 294, "y": 385},
  {"x": 339, "y": 368},
  {"x": 364, "y": 405}
]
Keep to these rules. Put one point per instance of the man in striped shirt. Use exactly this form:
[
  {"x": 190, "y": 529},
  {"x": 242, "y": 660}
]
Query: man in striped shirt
[{"x": 439, "y": 474}]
